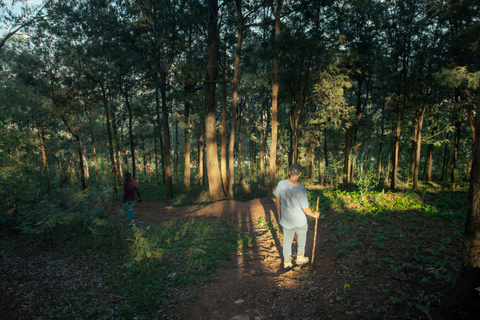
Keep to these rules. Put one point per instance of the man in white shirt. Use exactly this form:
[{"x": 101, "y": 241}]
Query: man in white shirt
[{"x": 291, "y": 200}]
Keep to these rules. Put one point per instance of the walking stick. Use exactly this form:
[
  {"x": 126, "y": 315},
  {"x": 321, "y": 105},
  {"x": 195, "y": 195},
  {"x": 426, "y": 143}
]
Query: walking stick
[{"x": 315, "y": 236}]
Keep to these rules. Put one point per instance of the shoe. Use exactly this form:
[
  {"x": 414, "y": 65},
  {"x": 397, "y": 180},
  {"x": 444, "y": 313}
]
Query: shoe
[
  {"x": 287, "y": 264},
  {"x": 301, "y": 259}
]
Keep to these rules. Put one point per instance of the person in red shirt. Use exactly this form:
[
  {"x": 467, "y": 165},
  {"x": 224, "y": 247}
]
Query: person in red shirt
[{"x": 130, "y": 187}]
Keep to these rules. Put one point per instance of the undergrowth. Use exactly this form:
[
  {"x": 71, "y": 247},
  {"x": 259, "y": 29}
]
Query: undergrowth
[
  {"x": 407, "y": 241},
  {"x": 412, "y": 239}
]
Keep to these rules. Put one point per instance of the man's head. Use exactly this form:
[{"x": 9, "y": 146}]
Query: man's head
[{"x": 295, "y": 169}]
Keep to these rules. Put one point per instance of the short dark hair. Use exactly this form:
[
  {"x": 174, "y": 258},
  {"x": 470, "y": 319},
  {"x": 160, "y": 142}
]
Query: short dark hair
[
  {"x": 295, "y": 169},
  {"x": 128, "y": 176}
]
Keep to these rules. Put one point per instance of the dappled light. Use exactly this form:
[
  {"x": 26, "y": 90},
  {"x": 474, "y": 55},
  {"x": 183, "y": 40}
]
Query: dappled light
[{"x": 358, "y": 119}]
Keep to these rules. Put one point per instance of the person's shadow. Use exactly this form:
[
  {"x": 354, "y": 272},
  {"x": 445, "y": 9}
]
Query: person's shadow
[{"x": 272, "y": 218}]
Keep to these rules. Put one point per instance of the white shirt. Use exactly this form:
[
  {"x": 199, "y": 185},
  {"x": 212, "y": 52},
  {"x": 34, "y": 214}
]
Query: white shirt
[{"x": 292, "y": 200}]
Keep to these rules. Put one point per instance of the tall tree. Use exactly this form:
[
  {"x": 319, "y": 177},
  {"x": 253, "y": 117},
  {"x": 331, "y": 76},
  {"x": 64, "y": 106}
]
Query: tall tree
[
  {"x": 214, "y": 181},
  {"x": 277, "y": 12}
]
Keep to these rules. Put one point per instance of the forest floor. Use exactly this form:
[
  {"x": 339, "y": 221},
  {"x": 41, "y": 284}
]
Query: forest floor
[{"x": 253, "y": 285}]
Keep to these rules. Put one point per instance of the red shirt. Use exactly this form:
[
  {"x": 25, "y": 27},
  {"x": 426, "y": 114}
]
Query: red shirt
[{"x": 129, "y": 189}]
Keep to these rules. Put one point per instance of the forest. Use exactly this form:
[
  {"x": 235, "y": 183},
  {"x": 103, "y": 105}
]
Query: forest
[{"x": 212, "y": 101}]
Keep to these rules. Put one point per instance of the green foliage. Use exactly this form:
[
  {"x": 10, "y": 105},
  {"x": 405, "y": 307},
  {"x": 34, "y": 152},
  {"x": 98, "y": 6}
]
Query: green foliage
[
  {"x": 405, "y": 234},
  {"x": 367, "y": 180},
  {"x": 176, "y": 254},
  {"x": 31, "y": 210}
]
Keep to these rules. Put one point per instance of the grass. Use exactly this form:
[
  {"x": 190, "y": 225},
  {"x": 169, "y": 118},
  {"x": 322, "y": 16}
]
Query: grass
[
  {"x": 412, "y": 239},
  {"x": 165, "y": 264},
  {"x": 406, "y": 241},
  {"x": 154, "y": 270}
]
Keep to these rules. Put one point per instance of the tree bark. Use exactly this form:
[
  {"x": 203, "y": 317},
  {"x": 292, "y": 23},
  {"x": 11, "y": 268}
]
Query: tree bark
[
  {"x": 117, "y": 151},
  {"x": 214, "y": 180},
  {"x": 413, "y": 149},
  {"x": 354, "y": 153},
  {"x": 446, "y": 157},
  {"x": 160, "y": 138},
  {"x": 109, "y": 133},
  {"x": 263, "y": 143},
  {"x": 175, "y": 149},
  {"x": 455, "y": 150},
  {"x": 398, "y": 131},
  {"x": 325, "y": 148},
  {"x": 418, "y": 144},
  {"x": 166, "y": 137},
  {"x": 231, "y": 177},
  {"x": 186, "y": 130},
  {"x": 466, "y": 298},
  {"x": 346, "y": 160},
  {"x": 44, "y": 156},
  {"x": 155, "y": 150},
  {"x": 223, "y": 129},
  {"x": 275, "y": 87},
  {"x": 429, "y": 162},
  {"x": 130, "y": 130},
  {"x": 380, "y": 155},
  {"x": 201, "y": 178},
  {"x": 239, "y": 146},
  {"x": 94, "y": 142}
]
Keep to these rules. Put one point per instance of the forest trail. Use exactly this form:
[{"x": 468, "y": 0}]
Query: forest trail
[
  {"x": 38, "y": 283},
  {"x": 254, "y": 285}
]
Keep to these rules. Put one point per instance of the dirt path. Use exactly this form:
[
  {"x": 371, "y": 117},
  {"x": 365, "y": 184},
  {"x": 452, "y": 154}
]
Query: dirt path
[{"x": 254, "y": 285}]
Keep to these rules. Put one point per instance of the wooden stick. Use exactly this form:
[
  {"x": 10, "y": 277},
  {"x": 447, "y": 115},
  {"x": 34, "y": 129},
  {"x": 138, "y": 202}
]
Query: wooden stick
[{"x": 315, "y": 236}]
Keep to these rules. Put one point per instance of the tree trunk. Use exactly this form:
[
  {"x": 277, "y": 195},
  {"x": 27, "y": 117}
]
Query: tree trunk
[
  {"x": 231, "y": 176},
  {"x": 262, "y": 148},
  {"x": 398, "y": 131},
  {"x": 418, "y": 144},
  {"x": 160, "y": 138},
  {"x": 200, "y": 161},
  {"x": 446, "y": 156},
  {"x": 239, "y": 147},
  {"x": 354, "y": 154},
  {"x": 455, "y": 150},
  {"x": 130, "y": 131},
  {"x": 87, "y": 176},
  {"x": 223, "y": 129},
  {"x": 175, "y": 150},
  {"x": 155, "y": 129},
  {"x": 312, "y": 167},
  {"x": 94, "y": 142},
  {"x": 466, "y": 298},
  {"x": 44, "y": 156},
  {"x": 166, "y": 137},
  {"x": 413, "y": 149},
  {"x": 430, "y": 162},
  {"x": 275, "y": 87},
  {"x": 325, "y": 148},
  {"x": 110, "y": 140},
  {"x": 346, "y": 158},
  {"x": 82, "y": 166},
  {"x": 380, "y": 148},
  {"x": 186, "y": 130},
  {"x": 389, "y": 167},
  {"x": 117, "y": 151},
  {"x": 214, "y": 180}
]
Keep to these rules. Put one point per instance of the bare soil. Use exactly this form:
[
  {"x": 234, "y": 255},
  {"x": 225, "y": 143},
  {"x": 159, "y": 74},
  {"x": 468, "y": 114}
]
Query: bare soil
[{"x": 253, "y": 285}]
